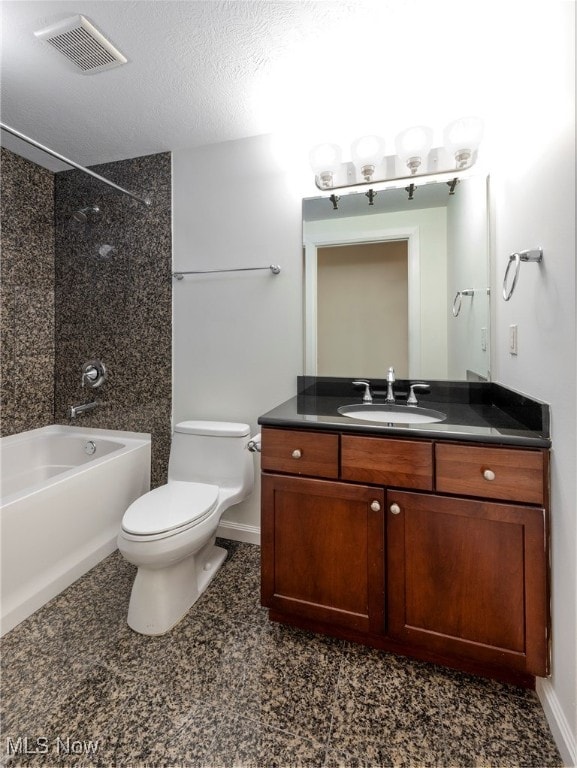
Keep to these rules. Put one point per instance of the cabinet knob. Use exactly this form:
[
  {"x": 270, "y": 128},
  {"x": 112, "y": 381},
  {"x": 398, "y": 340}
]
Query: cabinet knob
[
  {"x": 375, "y": 506},
  {"x": 395, "y": 509},
  {"x": 297, "y": 453},
  {"x": 488, "y": 474}
]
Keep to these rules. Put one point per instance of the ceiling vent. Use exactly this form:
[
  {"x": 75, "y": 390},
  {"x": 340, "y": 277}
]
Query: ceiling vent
[{"x": 81, "y": 43}]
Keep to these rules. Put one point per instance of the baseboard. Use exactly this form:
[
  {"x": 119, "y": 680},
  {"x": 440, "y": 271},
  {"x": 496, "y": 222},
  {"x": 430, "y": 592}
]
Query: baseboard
[
  {"x": 560, "y": 728},
  {"x": 250, "y": 534}
]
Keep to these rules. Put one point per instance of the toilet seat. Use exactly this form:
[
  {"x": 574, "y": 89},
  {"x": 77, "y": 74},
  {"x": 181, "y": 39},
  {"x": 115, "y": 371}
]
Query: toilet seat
[{"x": 170, "y": 509}]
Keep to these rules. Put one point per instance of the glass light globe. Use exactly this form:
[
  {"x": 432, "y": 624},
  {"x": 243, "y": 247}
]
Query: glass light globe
[
  {"x": 462, "y": 137},
  {"x": 413, "y": 145},
  {"x": 325, "y": 160},
  {"x": 367, "y": 152}
]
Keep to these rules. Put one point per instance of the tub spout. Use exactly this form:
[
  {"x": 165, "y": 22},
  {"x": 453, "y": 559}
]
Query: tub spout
[{"x": 76, "y": 410}]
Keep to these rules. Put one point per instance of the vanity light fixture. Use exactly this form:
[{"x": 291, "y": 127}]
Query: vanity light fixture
[
  {"x": 367, "y": 152},
  {"x": 415, "y": 156},
  {"x": 452, "y": 185},
  {"x": 325, "y": 160},
  {"x": 413, "y": 146},
  {"x": 371, "y": 194},
  {"x": 462, "y": 138}
]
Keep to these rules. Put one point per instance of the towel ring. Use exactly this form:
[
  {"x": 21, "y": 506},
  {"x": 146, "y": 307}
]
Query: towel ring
[
  {"x": 458, "y": 300},
  {"x": 535, "y": 254}
]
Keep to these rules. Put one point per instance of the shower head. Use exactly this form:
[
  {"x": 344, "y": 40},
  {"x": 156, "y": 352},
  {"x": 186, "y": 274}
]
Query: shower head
[{"x": 83, "y": 215}]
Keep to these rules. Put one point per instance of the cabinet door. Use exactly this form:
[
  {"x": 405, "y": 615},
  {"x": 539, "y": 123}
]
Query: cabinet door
[
  {"x": 468, "y": 578},
  {"x": 323, "y": 551}
]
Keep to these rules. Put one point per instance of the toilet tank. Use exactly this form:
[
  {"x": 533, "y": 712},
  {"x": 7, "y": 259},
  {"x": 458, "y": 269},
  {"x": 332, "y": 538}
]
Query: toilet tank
[{"x": 213, "y": 452}]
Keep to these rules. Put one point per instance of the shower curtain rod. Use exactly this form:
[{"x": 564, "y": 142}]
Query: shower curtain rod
[{"x": 28, "y": 140}]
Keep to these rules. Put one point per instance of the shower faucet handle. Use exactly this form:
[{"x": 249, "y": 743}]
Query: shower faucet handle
[
  {"x": 89, "y": 375},
  {"x": 94, "y": 374}
]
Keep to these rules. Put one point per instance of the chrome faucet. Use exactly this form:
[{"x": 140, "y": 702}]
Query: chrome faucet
[
  {"x": 390, "y": 398},
  {"x": 76, "y": 410},
  {"x": 367, "y": 397}
]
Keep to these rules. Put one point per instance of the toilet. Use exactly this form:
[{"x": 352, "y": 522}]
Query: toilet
[{"x": 169, "y": 533}]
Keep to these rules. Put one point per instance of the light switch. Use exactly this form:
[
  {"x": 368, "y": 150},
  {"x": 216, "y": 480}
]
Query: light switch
[{"x": 513, "y": 339}]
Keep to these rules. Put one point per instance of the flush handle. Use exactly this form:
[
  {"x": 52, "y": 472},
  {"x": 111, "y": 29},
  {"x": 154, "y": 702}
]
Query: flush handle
[
  {"x": 395, "y": 509},
  {"x": 488, "y": 474},
  {"x": 297, "y": 453}
]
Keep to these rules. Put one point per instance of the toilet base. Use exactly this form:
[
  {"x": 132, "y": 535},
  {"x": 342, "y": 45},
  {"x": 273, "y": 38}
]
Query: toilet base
[{"x": 161, "y": 597}]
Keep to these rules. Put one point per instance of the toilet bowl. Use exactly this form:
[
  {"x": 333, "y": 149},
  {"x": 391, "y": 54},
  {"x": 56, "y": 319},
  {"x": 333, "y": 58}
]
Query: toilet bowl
[{"x": 169, "y": 533}]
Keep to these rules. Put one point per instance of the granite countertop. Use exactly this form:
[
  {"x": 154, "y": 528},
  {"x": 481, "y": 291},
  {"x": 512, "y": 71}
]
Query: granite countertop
[{"x": 476, "y": 411}]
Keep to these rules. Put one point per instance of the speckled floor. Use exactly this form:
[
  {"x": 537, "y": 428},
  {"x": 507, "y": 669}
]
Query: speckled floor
[{"x": 228, "y": 688}]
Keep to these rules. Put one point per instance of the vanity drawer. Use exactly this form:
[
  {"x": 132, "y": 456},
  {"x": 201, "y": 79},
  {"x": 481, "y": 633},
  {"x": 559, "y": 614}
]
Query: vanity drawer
[
  {"x": 315, "y": 454},
  {"x": 397, "y": 463},
  {"x": 495, "y": 473}
]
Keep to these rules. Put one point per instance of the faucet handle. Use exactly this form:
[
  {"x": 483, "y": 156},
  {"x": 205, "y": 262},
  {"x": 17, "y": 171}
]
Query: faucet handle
[
  {"x": 421, "y": 386},
  {"x": 367, "y": 397},
  {"x": 94, "y": 374}
]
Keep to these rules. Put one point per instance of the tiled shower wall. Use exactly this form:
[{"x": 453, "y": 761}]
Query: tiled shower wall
[
  {"x": 26, "y": 295},
  {"x": 113, "y": 290},
  {"x": 111, "y": 293}
]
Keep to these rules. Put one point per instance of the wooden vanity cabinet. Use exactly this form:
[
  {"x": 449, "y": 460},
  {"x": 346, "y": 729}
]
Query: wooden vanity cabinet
[
  {"x": 430, "y": 548},
  {"x": 323, "y": 551},
  {"x": 467, "y": 578}
]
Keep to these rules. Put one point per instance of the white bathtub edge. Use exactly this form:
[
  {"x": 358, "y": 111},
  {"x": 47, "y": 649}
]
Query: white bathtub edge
[{"x": 56, "y": 586}]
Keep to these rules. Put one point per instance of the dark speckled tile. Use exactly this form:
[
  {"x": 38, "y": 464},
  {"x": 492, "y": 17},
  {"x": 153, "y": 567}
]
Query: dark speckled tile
[
  {"x": 228, "y": 688},
  {"x": 189, "y": 745},
  {"x": 252, "y": 744},
  {"x": 235, "y": 590},
  {"x": 124, "y": 719},
  {"x": 386, "y": 711},
  {"x": 290, "y": 681},
  {"x": 204, "y": 658},
  {"x": 494, "y": 729},
  {"x": 113, "y": 293}
]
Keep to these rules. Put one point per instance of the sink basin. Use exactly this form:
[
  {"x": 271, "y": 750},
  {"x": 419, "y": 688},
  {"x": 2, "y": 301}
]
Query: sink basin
[{"x": 392, "y": 414}]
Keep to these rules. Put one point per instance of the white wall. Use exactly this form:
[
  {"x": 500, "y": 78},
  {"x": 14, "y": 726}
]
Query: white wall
[
  {"x": 238, "y": 338},
  {"x": 533, "y": 192}
]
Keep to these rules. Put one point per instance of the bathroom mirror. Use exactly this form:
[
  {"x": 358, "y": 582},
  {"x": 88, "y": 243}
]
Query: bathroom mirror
[{"x": 401, "y": 282}]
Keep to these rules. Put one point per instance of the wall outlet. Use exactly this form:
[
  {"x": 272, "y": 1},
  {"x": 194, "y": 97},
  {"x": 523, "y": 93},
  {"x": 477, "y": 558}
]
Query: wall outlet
[{"x": 513, "y": 339}]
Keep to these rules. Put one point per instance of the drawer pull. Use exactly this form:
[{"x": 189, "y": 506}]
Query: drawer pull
[
  {"x": 395, "y": 509},
  {"x": 488, "y": 474},
  {"x": 297, "y": 453},
  {"x": 375, "y": 506}
]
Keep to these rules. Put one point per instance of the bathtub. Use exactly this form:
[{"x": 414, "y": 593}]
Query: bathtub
[{"x": 63, "y": 493}]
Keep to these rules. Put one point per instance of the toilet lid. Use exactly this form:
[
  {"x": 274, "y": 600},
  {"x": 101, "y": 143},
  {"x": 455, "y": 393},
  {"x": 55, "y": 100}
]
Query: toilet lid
[{"x": 172, "y": 506}]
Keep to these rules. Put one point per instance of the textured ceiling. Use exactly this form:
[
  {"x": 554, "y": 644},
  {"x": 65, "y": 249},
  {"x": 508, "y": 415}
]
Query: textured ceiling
[
  {"x": 195, "y": 75},
  {"x": 218, "y": 70}
]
